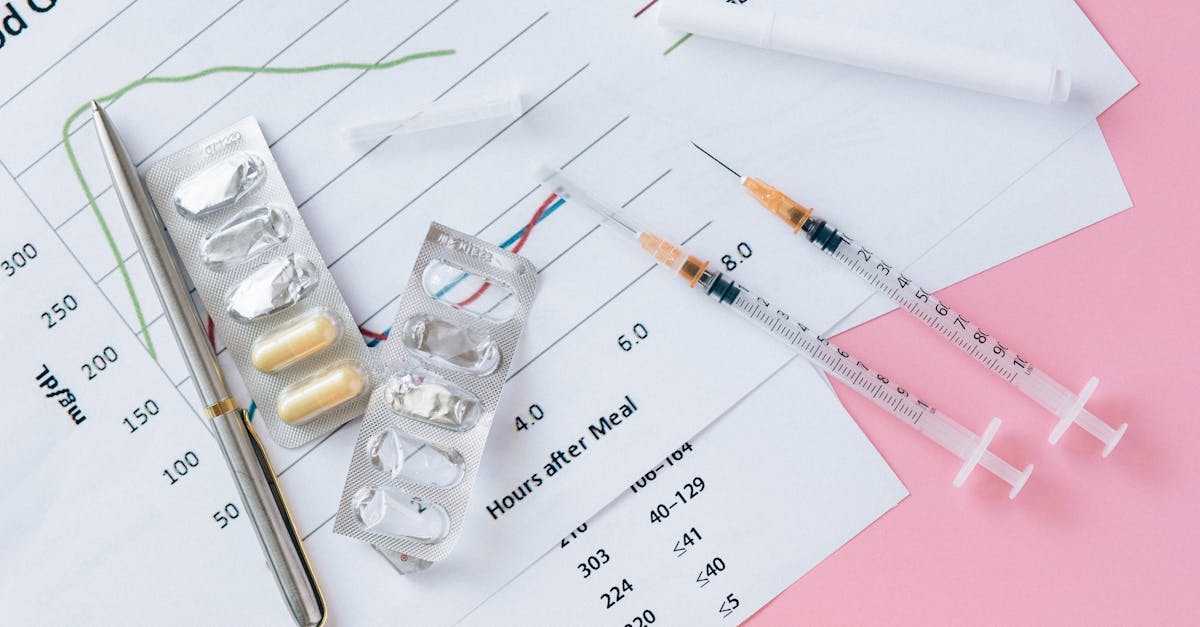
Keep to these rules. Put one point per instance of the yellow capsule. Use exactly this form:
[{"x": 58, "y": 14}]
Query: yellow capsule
[
  {"x": 320, "y": 393},
  {"x": 299, "y": 339}
]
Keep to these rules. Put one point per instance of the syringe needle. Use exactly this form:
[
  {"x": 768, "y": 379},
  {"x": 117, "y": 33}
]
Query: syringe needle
[
  {"x": 721, "y": 163},
  {"x": 984, "y": 347}
]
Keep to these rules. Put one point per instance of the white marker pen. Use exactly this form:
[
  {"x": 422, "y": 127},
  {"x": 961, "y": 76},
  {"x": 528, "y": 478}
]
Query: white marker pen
[{"x": 985, "y": 71}]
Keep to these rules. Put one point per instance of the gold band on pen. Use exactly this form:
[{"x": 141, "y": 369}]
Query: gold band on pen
[{"x": 223, "y": 407}]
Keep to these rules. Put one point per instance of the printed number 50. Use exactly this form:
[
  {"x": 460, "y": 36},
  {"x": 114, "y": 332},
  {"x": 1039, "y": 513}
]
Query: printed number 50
[{"x": 227, "y": 513}]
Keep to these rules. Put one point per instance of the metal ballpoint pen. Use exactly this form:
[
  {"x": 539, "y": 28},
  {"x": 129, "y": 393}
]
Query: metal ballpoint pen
[{"x": 247, "y": 461}]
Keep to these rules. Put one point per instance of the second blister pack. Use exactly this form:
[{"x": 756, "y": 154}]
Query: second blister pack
[
  {"x": 443, "y": 369},
  {"x": 267, "y": 289}
]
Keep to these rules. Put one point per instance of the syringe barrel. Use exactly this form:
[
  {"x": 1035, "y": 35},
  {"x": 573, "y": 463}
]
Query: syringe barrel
[
  {"x": 950, "y": 434},
  {"x": 1050, "y": 394},
  {"x": 873, "y": 385},
  {"x": 981, "y": 345}
]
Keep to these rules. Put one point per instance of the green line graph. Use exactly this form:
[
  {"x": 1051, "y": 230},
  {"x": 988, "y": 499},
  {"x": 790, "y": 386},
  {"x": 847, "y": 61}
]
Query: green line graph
[
  {"x": 677, "y": 44},
  {"x": 185, "y": 78}
]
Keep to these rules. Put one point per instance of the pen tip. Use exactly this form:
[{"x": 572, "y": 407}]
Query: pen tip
[{"x": 95, "y": 106}]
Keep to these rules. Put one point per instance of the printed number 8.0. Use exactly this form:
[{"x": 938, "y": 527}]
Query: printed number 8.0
[{"x": 743, "y": 253}]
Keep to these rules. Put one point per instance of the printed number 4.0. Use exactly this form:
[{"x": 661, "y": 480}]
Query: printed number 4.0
[{"x": 535, "y": 414}]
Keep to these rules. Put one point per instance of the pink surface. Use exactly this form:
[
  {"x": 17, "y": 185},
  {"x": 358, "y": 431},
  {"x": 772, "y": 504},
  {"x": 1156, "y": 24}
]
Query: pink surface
[{"x": 1090, "y": 541}]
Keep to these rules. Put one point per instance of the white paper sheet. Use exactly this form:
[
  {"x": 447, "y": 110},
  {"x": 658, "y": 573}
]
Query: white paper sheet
[
  {"x": 900, "y": 162},
  {"x": 587, "y": 107},
  {"x": 123, "y": 517},
  {"x": 771, "y": 508},
  {"x": 1076, "y": 186},
  {"x": 1090, "y": 170}
]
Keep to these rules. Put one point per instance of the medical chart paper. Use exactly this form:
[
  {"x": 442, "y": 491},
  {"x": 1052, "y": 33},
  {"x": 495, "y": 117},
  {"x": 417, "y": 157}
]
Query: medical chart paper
[
  {"x": 836, "y": 136},
  {"x": 718, "y": 528},
  {"x": 1041, "y": 211},
  {"x": 1075, "y": 185},
  {"x": 118, "y": 507},
  {"x": 452, "y": 587},
  {"x": 363, "y": 205},
  {"x": 254, "y": 595}
]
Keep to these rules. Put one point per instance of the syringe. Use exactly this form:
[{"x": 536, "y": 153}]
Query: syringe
[
  {"x": 876, "y": 387},
  {"x": 983, "y": 346}
]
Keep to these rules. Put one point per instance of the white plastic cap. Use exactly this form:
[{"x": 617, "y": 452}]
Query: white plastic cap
[
  {"x": 501, "y": 104},
  {"x": 557, "y": 180}
]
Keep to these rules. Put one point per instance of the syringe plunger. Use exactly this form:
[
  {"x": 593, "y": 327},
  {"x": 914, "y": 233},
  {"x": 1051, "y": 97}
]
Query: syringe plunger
[
  {"x": 973, "y": 450},
  {"x": 1050, "y": 392}
]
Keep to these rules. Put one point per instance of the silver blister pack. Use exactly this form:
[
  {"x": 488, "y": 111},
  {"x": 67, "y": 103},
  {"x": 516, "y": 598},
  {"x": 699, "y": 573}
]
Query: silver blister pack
[
  {"x": 263, "y": 281},
  {"x": 441, "y": 375}
]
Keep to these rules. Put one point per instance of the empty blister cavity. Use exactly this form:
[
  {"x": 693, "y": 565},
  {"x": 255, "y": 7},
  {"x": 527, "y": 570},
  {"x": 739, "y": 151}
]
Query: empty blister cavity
[
  {"x": 451, "y": 346},
  {"x": 402, "y": 457},
  {"x": 393, "y": 512},
  {"x": 429, "y": 399},
  {"x": 250, "y": 233},
  {"x": 219, "y": 185},
  {"x": 321, "y": 392},
  {"x": 457, "y": 288},
  {"x": 277, "y": 285},
  {"x": 294, "y": 340}
]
